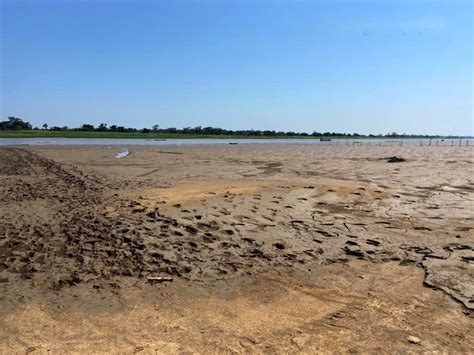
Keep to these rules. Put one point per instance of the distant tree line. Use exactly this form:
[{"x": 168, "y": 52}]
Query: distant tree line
[{"x": 14, "y": 123}]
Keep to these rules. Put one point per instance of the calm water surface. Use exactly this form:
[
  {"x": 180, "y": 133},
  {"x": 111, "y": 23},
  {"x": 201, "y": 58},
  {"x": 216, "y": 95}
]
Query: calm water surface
[{"x": 133, "y": 141}]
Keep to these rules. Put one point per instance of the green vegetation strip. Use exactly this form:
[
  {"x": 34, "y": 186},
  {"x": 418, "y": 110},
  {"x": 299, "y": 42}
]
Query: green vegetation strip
[{"x": 138, "y": 135}]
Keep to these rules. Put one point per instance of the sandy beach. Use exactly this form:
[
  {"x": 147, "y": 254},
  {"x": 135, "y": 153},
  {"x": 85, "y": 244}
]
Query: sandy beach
[{"x": 237, "y": 248}]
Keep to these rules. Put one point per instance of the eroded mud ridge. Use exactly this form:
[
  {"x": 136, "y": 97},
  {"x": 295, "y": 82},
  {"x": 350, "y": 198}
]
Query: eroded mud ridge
[{"x": 61, "y": 226}]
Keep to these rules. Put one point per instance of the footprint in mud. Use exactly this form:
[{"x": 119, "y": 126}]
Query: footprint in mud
[
  {"x": 241, "y": 217},
  {"x": 193, "y": 245},
  {"x": 138, "y": 209},
  {"x": 373, "y": 242},
  {"x": 227, "y": 245},
  {"x": 212, "y": 225},
  {"x": 248, "y": 240},
  {"x": 353, "y": 250},
  {"x": 256, "y": 253},
  {"x": 421, "y": 228},
  {"x": 191, "y": 229},
  {"x": 209, "y": 237},
  {"x": 280, "y": 245}
]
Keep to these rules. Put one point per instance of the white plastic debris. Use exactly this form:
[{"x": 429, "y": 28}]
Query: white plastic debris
[
  {"x": 122, "y": 154},
  {"x": 412, "y": 339}
]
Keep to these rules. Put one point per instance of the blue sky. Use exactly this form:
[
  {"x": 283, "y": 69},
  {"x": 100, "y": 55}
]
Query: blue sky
[{"x": 353, "y": 66}]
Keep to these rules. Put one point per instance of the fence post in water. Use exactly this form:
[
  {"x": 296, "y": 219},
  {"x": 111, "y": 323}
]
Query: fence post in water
[
  {"x": 430, "y": 141},
  {"x": 452, "y": 142},
  {"x": 460, "y": 141},
  {"x": 437, "y": 142}
]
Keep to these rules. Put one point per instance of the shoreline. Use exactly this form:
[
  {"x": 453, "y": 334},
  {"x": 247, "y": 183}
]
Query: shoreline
[
  {"x": 139, "y": 135},
  {"x": 60, "y": 141}
]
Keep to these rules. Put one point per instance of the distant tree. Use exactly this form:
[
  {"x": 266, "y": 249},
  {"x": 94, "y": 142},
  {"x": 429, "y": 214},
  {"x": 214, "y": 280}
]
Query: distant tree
[
  {"x": 45, "y": 126},
  {"x": 87, "y": 127},
  {"x": 102, "y": 127},
  {"x": 14, "y": 123},
  {"x": 269, "y": 133},
  {"x": 155, "y": 128}
]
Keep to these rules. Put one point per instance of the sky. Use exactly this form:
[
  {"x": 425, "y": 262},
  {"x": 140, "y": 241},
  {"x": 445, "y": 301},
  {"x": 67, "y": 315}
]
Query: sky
[{"x": 339, "y": 66}]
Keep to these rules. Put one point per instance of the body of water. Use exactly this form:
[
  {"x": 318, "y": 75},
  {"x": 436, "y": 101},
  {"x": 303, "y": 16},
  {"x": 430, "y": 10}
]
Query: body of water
[{"x": 152, "y": 142}]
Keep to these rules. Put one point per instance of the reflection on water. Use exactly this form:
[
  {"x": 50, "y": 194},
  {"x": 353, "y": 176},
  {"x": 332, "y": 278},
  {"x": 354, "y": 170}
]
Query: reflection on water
[{"x": 133, "y": 141}]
